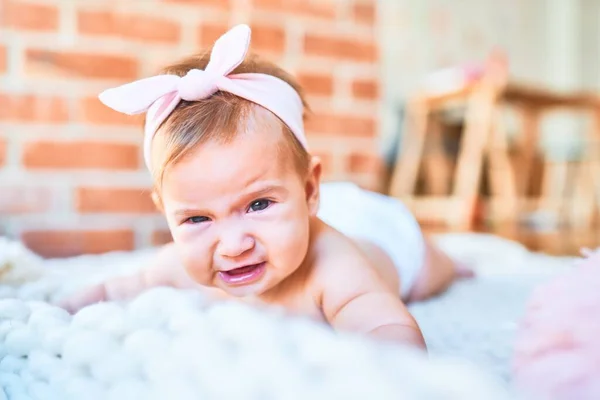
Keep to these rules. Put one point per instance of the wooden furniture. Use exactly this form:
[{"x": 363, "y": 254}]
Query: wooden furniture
[
  {"x": 456, "y": 208},
  {"x": 578, "y": 178},
  {"x": 485, "y": 138}
]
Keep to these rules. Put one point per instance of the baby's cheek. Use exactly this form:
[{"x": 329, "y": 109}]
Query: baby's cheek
[
  {"x": 196, "y": 260},
  {"x": 289, "y": 241},
  {"x": 199, "y": 272}
]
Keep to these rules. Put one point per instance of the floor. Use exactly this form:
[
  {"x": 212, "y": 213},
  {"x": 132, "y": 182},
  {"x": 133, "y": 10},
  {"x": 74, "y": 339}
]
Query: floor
[{"x": 561, "y": 242}]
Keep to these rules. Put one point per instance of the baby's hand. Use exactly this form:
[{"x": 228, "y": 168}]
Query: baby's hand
[{"x": 114, "y": 289}]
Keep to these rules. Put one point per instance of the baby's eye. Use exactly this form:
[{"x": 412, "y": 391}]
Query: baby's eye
[
  {"x": 196, "y": 220},
  {"x": 260, "y": 205}
]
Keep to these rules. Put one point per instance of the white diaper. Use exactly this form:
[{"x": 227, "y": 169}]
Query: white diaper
[{"x": 380, "y": 219}]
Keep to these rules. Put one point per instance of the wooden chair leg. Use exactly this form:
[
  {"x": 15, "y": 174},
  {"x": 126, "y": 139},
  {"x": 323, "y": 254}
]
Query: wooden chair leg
[
  {"x": 436, "y": 164},
  {"x": 480, "y": 110},
  {"x": 526, "y": 145},
  {"x": 593, "y": 157},
  {"x": 581, "y": 204},
  {"x": 404, "y": 176},
  {"x": 552, "y": 198},
  {"x": 503, "y": 198}
]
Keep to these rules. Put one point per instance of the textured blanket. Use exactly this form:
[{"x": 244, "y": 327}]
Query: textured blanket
[{"x": 172, "y": 344}]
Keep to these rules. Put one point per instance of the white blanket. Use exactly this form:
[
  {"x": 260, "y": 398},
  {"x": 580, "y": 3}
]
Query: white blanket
[{"x": 171, "y": 344}]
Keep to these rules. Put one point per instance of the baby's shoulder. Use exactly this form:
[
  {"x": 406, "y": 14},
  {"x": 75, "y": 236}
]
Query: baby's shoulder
[
  {"x": 341, "y": 273},
  {"x": 331, "y": 246},
  {"x": 338, "y": 261}
]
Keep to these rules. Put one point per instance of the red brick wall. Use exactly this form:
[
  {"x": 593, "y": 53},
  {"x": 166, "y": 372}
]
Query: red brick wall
[{"x": 71, "y": 174}]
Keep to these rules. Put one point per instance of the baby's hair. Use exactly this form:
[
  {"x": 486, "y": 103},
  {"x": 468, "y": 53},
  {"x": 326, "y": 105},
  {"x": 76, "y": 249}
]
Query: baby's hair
[{"x": 219, "y": 117}]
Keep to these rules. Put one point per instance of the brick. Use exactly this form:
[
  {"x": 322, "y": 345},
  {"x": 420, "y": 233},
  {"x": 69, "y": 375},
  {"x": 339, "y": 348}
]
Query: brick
[
  {"x": 29, "y": 16},
  {"x": 372, "y": 182},
  {"x": 84, "y": 65},
  {"x": 161, "y": 237},
  {"x": 3, "y": 59},
  {"x": 340, "y": 48},
  {"x": 208, "y": 33},
  {"x": 222, "y": 4},
  {"x": 25, "y": 199},
  {"x": 364, "y": 13},
  {"x": 322, "y": 9},
  {"x": 316, "y": 84},
  {"x": 129, "y": 26},
  {"x": 364, "y": 163},
  {"x": 92, "y": 111},
  {"x": 67, "y": 243},
  {"x": 80, "y": 154},
  {"x": 30, "y": 108},
  {"x": 343, "y": 125},
  {"x": 3, "y": 151},
  {"x": 267, "y": 38},
  {"x": 111, "y": 200},
  {"x": 365, "y": 89}
]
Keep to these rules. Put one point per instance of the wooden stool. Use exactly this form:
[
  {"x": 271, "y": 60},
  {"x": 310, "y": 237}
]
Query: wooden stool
[
  {"x": 455, "y": 210},
  {"x": 485, "y": 137},
  {"x": 559, "y": 177}
]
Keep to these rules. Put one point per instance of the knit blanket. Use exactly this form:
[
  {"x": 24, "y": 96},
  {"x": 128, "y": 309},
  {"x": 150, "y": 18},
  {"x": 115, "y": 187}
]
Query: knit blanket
[{"x": 169, "y": 343}]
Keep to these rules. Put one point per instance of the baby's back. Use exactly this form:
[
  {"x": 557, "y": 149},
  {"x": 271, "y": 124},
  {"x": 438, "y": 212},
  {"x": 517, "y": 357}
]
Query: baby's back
[{"x": 382, "y": 227}]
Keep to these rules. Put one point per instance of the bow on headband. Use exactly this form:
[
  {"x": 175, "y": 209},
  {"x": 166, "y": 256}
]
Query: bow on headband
[{"x": 159, "y": 95}]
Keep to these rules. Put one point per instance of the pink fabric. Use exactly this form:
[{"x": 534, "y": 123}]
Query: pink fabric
[
  {"x": 557, "y": 345},
  {"x": 159, "y": 95}
]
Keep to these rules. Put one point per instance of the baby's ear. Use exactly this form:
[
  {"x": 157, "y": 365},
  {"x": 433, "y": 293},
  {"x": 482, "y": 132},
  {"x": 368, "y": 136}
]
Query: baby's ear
[
  {"x": 157, "y": 201},
  {"x": 313, "y": 184}
]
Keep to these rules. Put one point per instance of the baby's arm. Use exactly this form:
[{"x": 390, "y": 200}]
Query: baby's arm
[
  {"x": 355, "y": 299},
  {"x": 165, "y": 270}
]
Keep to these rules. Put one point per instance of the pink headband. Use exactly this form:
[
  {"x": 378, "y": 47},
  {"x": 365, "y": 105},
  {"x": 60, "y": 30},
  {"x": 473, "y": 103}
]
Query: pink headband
[{"x": 159, "y": 95}]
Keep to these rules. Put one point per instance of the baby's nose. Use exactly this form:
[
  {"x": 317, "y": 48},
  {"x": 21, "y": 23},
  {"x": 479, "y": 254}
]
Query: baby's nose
[{"x": 235, "y": 244}]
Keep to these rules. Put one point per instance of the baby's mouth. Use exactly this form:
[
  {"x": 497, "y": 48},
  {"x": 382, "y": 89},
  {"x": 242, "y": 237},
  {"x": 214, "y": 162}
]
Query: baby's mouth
[{"x": 243, "y": 275}]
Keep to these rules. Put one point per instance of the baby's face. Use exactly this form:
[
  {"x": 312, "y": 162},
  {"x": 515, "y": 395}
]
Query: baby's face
[{"x": 239, "y": 212}]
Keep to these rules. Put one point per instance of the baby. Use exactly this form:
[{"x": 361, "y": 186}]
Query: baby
[{"x": 249, "y": 217}]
